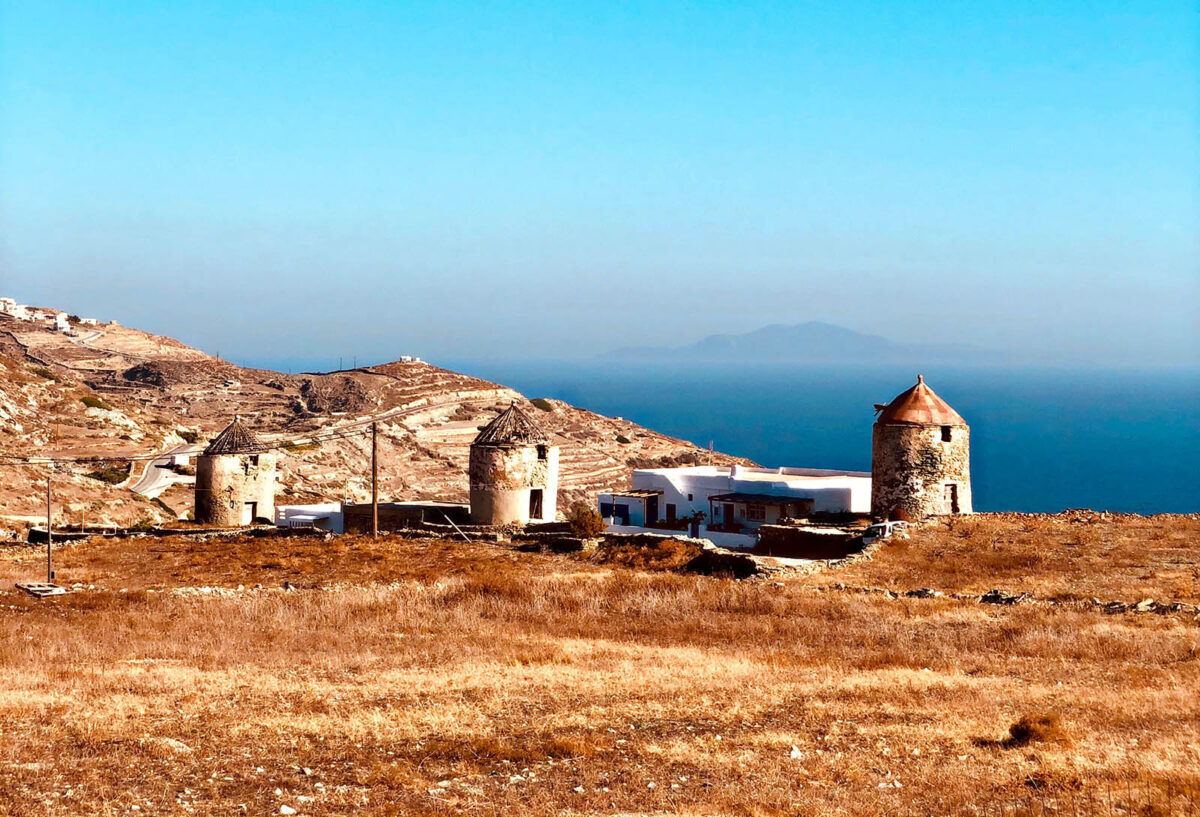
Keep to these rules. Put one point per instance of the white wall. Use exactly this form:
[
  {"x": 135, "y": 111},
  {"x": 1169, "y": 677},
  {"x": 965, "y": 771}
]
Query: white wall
[
  {"x": 831, "y": 491},
  {"x": 310, "y": 514},
  {"x": 637, "y": 508}
]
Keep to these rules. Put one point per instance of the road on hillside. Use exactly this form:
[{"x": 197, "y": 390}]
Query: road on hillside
[{"x": 158, "y": 476}]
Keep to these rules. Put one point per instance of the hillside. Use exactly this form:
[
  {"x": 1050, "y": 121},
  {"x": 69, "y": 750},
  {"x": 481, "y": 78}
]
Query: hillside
[{"x": 116, "y": 392}]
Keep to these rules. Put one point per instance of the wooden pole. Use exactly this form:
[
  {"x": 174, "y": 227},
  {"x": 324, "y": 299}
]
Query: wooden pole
[
  {"x": 375, "y": 480},
  {"x": 49, "y": 535}
]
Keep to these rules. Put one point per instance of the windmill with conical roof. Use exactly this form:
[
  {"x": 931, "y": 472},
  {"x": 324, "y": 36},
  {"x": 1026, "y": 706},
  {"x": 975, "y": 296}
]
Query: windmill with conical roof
[
  {"x": 235, "y": 479},
  {"x": 920, "y": 457},
  {"x": 513, "y": 471}
]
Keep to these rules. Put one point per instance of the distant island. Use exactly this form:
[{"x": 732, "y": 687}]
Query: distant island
[{"x": 810, "y": 342}]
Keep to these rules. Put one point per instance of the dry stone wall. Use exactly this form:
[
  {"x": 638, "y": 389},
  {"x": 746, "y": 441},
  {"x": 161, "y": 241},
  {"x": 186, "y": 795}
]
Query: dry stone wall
[
  {"x": 911, "y": 467},
  {"x": 226, "y": 483},
  {"x": 502, "y": 479}
]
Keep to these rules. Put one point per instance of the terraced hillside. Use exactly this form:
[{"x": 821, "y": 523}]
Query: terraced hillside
[{"x": 109, "y": 393}]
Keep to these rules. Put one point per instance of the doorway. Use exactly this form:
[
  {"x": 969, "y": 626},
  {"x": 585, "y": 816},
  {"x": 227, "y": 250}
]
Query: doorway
[
  {"x": 249, "y": 512},
  {"x": 535, "y": 503},
  {"x": 951, "y": 498}
]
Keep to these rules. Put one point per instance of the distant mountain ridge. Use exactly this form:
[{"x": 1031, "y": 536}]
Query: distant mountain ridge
[{"x": 809, "y": 342}]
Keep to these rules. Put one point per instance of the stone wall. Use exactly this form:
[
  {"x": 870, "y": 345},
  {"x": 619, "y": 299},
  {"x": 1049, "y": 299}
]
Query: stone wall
[
  {"x": 225, "y": 483},
  {"x": 911, "y": 465},
  {"x": 502, "y": 478}
]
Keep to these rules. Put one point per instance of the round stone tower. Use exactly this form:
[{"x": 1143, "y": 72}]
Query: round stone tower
[
  {"x": 920, "y": 458},
  {"x": 513, "y": 472},
  {"x": 235, "y": 480}
]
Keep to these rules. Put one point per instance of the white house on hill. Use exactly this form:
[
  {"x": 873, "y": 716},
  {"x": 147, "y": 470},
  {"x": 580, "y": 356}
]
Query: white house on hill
[{"x": 734, "y": 500}]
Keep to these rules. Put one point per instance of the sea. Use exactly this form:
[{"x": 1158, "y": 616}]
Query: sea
[{"x": 1042, "y": 440}]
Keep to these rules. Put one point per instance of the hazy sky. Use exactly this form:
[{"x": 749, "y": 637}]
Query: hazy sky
[{"x": 308, "y": 180}]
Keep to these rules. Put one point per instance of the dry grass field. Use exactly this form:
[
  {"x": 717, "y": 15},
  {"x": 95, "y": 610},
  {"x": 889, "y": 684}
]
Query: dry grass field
[{"x": 423, "y": 677}]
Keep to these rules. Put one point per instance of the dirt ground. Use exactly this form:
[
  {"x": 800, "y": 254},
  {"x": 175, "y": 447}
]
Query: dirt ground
[{"x": 427, "y": 677}]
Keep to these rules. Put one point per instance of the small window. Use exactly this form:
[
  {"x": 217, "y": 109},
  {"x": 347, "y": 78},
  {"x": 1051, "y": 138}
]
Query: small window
[
  {"x": 541, "y": 452},
  {"x": 945, "y": 434},
  {"x": 756, "y": 512},
  {"x": 689, "y": 497},
  {"x": 254, "y": 459}
]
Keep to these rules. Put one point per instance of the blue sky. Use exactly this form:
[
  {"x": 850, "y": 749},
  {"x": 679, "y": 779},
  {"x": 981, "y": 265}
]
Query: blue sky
[{"x": 312, "y": 180}]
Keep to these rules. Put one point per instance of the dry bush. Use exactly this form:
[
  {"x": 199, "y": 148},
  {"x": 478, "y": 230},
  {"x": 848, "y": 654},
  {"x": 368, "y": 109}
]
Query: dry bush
[
  {"x": 1041, "y": 728},
  {"x": 658, "y": 553},
  {"x": 585, "y": 521}
]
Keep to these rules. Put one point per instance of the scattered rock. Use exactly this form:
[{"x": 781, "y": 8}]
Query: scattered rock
[{"x": 923, "y": 593}]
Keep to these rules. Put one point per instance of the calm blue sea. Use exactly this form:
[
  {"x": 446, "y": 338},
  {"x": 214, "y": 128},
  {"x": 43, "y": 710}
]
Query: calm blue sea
[{"x": 1041, "y": 440}]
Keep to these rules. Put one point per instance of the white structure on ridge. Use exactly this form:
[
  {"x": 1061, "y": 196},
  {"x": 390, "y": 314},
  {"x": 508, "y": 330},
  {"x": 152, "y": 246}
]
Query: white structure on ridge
[{"x": 734, "y": 499}]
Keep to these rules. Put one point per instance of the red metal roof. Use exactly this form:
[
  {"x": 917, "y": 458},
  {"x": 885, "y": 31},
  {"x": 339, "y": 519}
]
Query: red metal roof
[{"x": 919, "y": 406}]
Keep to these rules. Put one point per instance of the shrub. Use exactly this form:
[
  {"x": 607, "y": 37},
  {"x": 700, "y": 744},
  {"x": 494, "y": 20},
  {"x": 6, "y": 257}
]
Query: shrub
[
  {"x": 143, "y": 525},
  {"x": 585, "y": 521},
  {"x": 112, "y": 474},
  {"x": 1044, "y": 728},
  {"x": 42, "y": 371},
  {"x": 188, "y": 436},
  {"x": 93, "y": 402},
  {"x": 542, "y": 403},
  {"x": 296, "y": 448}
]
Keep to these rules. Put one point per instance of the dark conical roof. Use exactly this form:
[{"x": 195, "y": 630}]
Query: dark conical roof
[
  {"x": 512, "y": 427},
  {"x": 920, "y": 405},
  {"x": 235, "y": 439}
]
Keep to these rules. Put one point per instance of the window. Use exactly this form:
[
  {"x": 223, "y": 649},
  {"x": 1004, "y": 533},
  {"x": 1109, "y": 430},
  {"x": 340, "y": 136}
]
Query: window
[
  {"x": 945, "y": 434},
  {"x": 689, "y": 497},
  {"x": 756, "y": 512},
  {"x": 541, "y": 452}
]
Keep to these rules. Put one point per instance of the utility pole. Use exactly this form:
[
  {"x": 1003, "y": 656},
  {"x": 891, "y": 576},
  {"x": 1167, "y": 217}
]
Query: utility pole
[
  {"x": 49, "y": 535},
  {"x": 374, "y": 480}
]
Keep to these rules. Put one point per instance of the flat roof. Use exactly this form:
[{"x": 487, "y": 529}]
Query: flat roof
[
  {"x": 759, "y": 473},
  {"x": 634, "y": 493},
  {"x": 761, "y": 499}
]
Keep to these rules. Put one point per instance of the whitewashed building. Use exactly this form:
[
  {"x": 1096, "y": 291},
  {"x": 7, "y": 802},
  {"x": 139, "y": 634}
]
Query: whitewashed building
[
  {"x": 323, "y": 516},
  {"x": 727, "y": 504},
  {"x": 10, "y": 307}
]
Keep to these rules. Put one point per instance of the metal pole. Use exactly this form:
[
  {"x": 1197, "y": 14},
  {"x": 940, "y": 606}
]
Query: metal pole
[
  {"x": 375, "y": 480},
  {"x": 49, "y": 535}
]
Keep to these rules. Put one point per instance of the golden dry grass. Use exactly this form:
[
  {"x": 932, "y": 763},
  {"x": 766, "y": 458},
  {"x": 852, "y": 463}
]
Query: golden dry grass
[
  {"x": 422, "y": 677},
  {"x": 1074, "y": 555}
]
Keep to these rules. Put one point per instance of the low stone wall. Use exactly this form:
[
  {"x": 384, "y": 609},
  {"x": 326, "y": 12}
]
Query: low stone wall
[{"x": 796, "y": 542}]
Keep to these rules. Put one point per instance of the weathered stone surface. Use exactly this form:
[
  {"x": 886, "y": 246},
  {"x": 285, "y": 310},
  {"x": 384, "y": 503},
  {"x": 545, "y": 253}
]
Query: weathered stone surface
[
  {"x": 911, "y": 467},
  {"x": 226, "y": 483},
  {"x": 502, "y": 479}
]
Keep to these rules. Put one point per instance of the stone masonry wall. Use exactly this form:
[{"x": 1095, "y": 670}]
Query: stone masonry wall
[
  {"x": 911, "y": 465},
  {"x": 501, "y": 479},
  {"x": 224, "y": 483}
]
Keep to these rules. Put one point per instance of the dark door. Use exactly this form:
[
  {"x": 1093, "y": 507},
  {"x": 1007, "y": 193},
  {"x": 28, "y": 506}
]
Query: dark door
[
  {"x": 535, "y": 503},
  {"x": 729, "y": 515},
  {"x": 670, "y": 511},
  {"x": 651, "y": 510}
]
